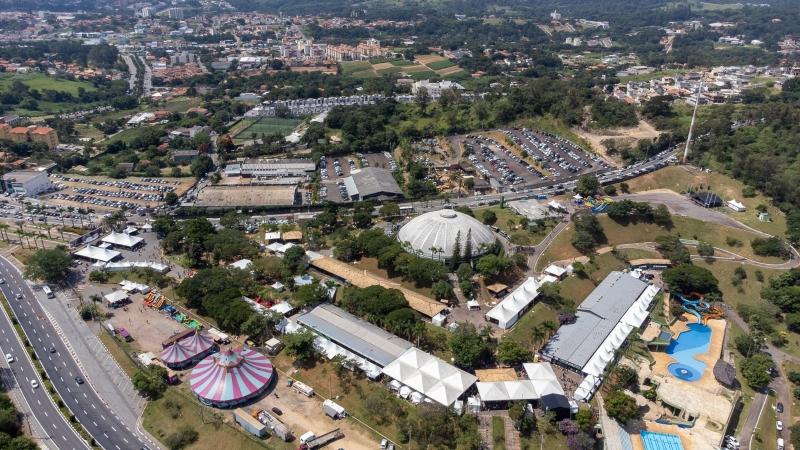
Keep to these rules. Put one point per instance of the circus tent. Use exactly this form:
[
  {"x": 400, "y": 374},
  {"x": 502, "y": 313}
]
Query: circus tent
[
  {"x": 176, "y": 355},
  {"x": 231, "y": 377},
  {"x": 187, "y": 351}
]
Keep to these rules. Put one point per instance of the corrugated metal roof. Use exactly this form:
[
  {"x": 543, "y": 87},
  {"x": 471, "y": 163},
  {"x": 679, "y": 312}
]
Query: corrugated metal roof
[
  {"x": 357, "y": 335},
  {"x": 373, "y": 180},
  {"x": 597, "y": 315}
]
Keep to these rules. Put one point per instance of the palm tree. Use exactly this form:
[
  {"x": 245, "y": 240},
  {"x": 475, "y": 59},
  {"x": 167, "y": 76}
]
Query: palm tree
[
  {"x": 3, "y": 231},
  {"x": 550, "y": 326},
  {"x": 538, "y": 334}
]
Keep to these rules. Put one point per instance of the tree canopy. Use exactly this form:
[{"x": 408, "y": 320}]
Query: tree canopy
[{"x": 50, "y": 265}]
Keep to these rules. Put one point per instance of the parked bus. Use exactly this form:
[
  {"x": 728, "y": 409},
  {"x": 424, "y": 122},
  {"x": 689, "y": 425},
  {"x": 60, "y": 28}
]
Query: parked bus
[{"x": 48, "y": 292}]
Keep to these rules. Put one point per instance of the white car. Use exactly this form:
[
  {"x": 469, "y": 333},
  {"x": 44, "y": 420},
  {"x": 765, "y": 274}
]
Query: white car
[
  {"x": 779, "y": 425},
  {"x": 9, "y": 358},
  {"x": 2, "y": 281},
  {"x": 34, "y": 384}
]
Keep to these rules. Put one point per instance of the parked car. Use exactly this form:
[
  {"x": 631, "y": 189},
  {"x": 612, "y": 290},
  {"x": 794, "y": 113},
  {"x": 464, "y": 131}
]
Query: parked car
[
  {"x": 779, "y": 407},
  {"x": 779, "y": 425},
  {"x": 277, "y": 410}
]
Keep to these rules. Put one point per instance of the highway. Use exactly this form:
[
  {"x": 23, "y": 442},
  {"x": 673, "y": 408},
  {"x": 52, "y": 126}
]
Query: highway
[
  {"x": 62, "y": 369},
  {"x": 59, "y": 434}
]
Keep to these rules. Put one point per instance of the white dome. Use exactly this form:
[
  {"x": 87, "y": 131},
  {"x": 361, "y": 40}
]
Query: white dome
[{"x": 438, "y": 229}]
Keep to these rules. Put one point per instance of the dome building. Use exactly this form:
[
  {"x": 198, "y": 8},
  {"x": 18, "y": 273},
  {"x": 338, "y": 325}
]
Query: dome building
[
  {"x": 231, "y": 377},
  {"x": 433, "y": 235}
]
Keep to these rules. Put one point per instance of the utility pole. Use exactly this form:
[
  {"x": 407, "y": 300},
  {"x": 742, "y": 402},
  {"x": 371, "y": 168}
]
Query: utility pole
[{"x": 691, "y": 125}]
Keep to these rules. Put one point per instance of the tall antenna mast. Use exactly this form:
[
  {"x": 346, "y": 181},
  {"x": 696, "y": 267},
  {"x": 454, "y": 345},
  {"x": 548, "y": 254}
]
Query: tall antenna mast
[{"x": 691, "y": 125}]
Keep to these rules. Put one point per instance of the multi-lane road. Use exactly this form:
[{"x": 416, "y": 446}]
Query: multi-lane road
[{"x": 63, "y": 371}]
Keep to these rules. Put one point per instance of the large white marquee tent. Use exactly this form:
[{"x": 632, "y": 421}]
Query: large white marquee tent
[{"x": 430, "y": 376}]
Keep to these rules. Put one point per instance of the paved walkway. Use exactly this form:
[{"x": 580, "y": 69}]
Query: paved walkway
[{"x": 610, "y": 427}]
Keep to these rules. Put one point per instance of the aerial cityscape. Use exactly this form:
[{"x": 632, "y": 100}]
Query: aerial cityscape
[{"x": 385, "y": 225}]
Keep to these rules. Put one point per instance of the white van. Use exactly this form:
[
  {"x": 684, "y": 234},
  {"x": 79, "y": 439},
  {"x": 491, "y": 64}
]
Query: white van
[{"x": 780, "y": 443}]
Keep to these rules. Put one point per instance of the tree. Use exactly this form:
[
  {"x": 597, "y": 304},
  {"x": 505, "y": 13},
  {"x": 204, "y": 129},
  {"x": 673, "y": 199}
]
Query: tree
[
  {"x": 705, "y": 249},
  {"x": 151, "y": 381},
  {"x": 50, "y": 265},
  {"x": 511, "y": 353},
  {"x": 662, "y": 216},
  {"x": 756, "y": 370},
  {"x": 442, "y": 290},
  {"x": 295, "y": 259},
  {"x": 389, "y": 209},
  {"x": 170, "y": 198},
  {"x": 422, "y": 99},
  {"x": 491, "y": 265},
  {"x": 467, "y": 257},
  {"x": 182, "y": 438},
  {"x": 587, "y": 185},
  {"x": 621, "y": 407},
  {"x": 468, "y": 347},
  {"x": 464, "y": 271},
  {"x": 688, "y": 278},
  {"x": 747, "y": 344},
  {"x": 255, "y": 327},
  {"x": 588, "y": 233},
  {"x": 772, "y": 246},
  {"x": 524, "y": 422},
  {"x": 489, "y": 217},
  {"x": 579, "y": 269},
  {"x": 201, "y": 166},
  {"x": 300, "y": 345},
  {"x": 310, "y": 295},
  {"x": 455, "y": 257}
]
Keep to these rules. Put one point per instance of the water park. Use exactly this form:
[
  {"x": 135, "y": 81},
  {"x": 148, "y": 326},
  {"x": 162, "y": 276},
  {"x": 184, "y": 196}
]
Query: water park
[
  {"x": 596, "y": 204},
  {"x": 688, "y": 406}
]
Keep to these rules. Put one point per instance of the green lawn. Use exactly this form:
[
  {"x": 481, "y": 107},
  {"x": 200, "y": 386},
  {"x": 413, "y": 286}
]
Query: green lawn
[
  {"x": 402, "y": 62},
  {"x": 176, "y": 409},
  {"x": 42, "y": 81},
  {"x": 422, "y": 75},
  {"x": 129, "y": 134},
  {"x": 369, "y": 73},
  {"x": 522, "y": 330},
  {"x": 120, "y": 351},
  {"x": 351, "y": 67},
  {"x": 680, "y": 179},
  {"x": 576, "y": 288},
  {"x": 684, "y": 227},
  {"x": 267, "y": 126},
  {"x": 750, "y": 293},
  {"x": 443, "y": 64},
  {"x": 509, "y": 222},
  {"x": 498, "y": 433},
  {"x": 766, "y": 436}
]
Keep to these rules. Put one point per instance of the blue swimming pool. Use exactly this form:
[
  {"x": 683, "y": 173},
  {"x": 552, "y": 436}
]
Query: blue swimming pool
[
  {"x": 660, "y": 441},
  {"x": 684, "y": 348}
]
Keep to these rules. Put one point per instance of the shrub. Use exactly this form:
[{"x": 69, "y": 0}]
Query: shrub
[{"x": 771, "y": 246}]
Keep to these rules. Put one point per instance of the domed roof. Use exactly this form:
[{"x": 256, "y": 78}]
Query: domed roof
[
  {"x": 438, "y": 229},
  {"x": 231, "y": 376}
]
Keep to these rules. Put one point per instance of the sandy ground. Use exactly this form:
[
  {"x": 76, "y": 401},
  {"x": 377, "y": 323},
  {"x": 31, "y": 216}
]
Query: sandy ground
[
  {"x": 382, "y": 66},
  {"x": 302, "y": 414},
  {"x": 629, "y": 135},
  {"x": 449, "y": 70}
]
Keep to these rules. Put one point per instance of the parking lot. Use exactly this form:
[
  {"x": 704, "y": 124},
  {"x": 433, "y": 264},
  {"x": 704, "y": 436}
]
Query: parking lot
[
  {"x": 558, "y": 155},
  {"x": 536, "y": 159},
  {"x": 333, "y": 171},
  {"x": 496, "y": 161},
  {"x": 110, "y": 194}
]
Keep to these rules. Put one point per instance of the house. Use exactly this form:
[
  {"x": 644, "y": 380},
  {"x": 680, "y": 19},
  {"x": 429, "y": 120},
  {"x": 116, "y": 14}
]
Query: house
[{"x": 184, "y": 156}]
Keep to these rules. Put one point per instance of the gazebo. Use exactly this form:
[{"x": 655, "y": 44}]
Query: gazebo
[{"x": 231, "y": 377}]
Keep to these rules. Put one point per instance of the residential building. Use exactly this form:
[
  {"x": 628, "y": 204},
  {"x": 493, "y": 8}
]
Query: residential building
[
  {"x": 45, "y": 135},
  {"x": 435, "y": 89}
]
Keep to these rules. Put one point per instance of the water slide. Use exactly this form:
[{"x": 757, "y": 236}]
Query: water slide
[{"x": 696, "y": 307}]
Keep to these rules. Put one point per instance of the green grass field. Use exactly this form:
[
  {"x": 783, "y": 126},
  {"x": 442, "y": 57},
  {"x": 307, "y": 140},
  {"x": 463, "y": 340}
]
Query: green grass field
[
  {"x": 684, "y": 227},
  {"x": 268, "y": 126},
  {"x": 509, "y": 222},
  {"x": 498, "y": 433},
  {"x": 41, "y": 81},
  {"x": 436, "y": 65},
  {"x": 681, "y": 179},
  {"x": 422, "y": 75},
  {"x": 351, "y": 67},
  {"x": 402, "y": 62}
]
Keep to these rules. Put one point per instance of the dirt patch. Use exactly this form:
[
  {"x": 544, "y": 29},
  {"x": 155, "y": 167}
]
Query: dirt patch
[
  {"x": 624, "y": 135},
  {"x": 427, "y": 59},
  {"x": 449, "y": 70},
  {"x": 382, "y": 66}
]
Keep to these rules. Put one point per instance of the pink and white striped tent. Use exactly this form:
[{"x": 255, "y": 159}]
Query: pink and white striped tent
[
  {"x": 198, "y": 343},
  {"x": 176, "y": 355},
  {"x": 231, "y": 377}
]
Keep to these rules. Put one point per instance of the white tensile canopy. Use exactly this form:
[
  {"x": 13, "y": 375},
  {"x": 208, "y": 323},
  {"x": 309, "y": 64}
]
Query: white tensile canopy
[
  {"x": 507, "y": 312},
  {"x": 430, "y": 376}
]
